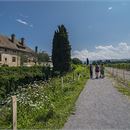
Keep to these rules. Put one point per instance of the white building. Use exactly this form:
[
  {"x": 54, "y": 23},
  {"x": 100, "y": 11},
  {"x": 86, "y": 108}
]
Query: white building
[{"x": 12, "y": 50}]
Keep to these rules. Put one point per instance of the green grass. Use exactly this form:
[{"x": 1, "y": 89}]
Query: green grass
[
  {"x": 46, "y": 105},
  {"x": 123, "y": 89}
]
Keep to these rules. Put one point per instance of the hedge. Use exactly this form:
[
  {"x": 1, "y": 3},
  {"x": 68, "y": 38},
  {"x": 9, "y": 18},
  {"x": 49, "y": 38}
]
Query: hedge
[{"x": 13, "y": 77}]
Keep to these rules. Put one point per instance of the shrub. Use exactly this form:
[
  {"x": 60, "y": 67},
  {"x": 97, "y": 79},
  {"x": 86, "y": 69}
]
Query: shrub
[{"x": 12, "y": 77}]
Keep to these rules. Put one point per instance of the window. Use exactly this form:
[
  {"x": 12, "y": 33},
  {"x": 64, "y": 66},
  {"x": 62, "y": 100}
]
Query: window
[
  {"x": 5, "y": 59},
  {"x": 13, "y": 59}
]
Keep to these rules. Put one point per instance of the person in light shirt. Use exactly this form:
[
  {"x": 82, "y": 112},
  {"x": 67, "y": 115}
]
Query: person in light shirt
[{"x": 102, "y": 68}]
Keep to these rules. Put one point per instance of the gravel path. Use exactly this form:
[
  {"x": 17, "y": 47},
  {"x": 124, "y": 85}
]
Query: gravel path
[{"x": 100, "y": 106}]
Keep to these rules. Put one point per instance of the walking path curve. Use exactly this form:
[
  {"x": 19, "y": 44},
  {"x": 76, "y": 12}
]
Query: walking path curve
[{"x": 100, "y": 106}]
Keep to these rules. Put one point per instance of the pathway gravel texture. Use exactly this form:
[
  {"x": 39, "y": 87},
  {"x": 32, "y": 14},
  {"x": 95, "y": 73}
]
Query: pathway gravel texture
[{"x": 100, "y": 106}]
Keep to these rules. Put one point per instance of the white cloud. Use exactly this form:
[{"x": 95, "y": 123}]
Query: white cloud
[
  {"x": 121, "y": 51},
  {"x": 24, "y": 22},
  {"x": 109, "y": 8},
  {"x": 21, "y": 21}
]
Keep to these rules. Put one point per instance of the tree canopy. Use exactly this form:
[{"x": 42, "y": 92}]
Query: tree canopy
[
  {"x": 42, "y": 57},
  {"x": 76, "y": 61},
  {"x": 61, "y": 51}
]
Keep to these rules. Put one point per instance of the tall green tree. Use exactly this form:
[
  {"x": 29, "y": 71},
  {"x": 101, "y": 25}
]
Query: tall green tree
[
  {"x": 42, "y": 57},
  {"x": 61, "y": 51},
  {"x": 76, "y": 61},
  {"x": 87, "y": 61}
]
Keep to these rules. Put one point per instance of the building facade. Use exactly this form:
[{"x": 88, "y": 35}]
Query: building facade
[{"x": 13, "y": 52}]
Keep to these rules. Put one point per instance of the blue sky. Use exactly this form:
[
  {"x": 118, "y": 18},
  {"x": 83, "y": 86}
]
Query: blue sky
[{"x": 97, "y": 29}]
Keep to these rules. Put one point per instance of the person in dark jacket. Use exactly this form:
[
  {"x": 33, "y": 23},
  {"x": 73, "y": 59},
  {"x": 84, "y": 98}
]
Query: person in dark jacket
[{"x": 91, "y": 71}]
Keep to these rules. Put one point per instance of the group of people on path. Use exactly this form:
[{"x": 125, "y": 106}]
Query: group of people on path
[{"x": 99, "y": 71}]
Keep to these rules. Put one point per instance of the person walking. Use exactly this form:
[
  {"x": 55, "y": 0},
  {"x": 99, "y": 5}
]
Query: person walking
[
  {"x": 102, "y": 68},
  {"x": 97, "y": 71},
  {"x": 91, "y": 71}
]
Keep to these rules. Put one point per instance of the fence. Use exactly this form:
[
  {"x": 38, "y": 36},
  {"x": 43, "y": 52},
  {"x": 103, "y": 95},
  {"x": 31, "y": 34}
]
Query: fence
[
  {"x": 14, "y": 108},
  {"x": 121, "y": 75}
]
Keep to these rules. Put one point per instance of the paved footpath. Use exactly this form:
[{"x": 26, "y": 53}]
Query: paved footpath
[{"x": 100, "y": 106}]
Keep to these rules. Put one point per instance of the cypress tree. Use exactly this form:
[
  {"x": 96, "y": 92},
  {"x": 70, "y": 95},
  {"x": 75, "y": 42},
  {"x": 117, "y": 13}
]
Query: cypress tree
[
  {"x": 87, "y": 61},
  {"x": 61, "y": 51}
]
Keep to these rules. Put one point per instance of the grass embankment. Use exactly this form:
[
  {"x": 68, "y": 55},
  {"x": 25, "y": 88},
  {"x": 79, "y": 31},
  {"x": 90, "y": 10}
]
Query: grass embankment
[
  {"x": 123, "y": 88},
  {"x": 46, "y": 105}
]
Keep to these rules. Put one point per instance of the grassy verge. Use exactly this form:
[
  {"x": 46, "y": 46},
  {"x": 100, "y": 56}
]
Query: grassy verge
[
  {"x": 46, "y": 105},
  {"x": 123, "y": 88}
]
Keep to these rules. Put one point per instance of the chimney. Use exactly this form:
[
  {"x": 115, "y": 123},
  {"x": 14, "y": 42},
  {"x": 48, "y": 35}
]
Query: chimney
[
  {"x": 22, "y": 41},
  {"x": 13, "y": 38},
  {"x": 36, "y": 49}
]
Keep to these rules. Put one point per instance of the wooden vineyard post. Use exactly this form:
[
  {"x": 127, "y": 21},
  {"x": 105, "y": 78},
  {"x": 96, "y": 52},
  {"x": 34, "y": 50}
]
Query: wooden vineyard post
[
  {"x": 113, "y": 71},
  {"x": 110, "y": 71},
  {"x": 73, "y": 76},
  {"x": 124, "y": 76},
  {"x": 78, "y": 76},
  {"x": 14, "y": 105},
  {"x": 117, "y": 73}
]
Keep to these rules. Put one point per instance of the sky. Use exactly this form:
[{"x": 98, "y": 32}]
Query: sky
[{"x": 97, "y": 29}]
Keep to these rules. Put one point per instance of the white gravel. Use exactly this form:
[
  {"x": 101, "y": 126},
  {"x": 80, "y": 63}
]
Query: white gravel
[{"x": 100, "y": 106}]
